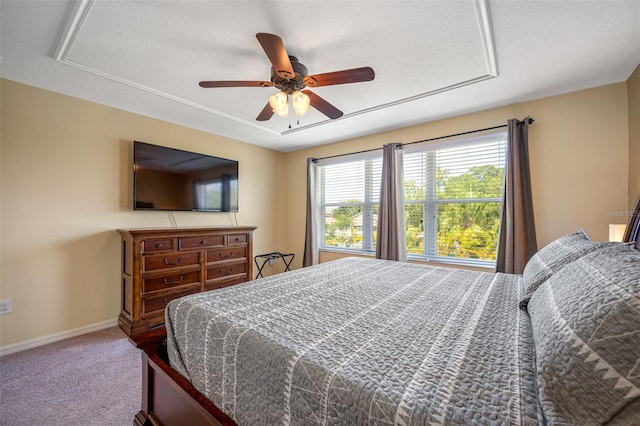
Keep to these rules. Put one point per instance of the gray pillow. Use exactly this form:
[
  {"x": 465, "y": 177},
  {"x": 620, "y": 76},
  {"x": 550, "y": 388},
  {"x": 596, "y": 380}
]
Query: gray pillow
[
  {"x": 554, "y": 256},
  {"x": 586, "y": 328}
]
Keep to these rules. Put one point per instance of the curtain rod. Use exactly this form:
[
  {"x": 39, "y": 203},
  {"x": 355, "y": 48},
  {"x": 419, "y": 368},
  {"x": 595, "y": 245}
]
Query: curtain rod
[{"x": 529, "y": 119}]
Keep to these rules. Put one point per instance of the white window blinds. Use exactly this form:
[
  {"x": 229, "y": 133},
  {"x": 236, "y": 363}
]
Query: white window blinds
[
  {"x": 348, "y": 203},
  {"x": 452, "y": 192},
  {"x": 453, "y": 195}
]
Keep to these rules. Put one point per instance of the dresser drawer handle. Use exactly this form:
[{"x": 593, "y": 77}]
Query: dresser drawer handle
[
  {"x": 229, "y": 272},
  {"x": 203, "y": 242},
  {"x": 167, "y": 282},
  {"x": 224, "y": 256},
  {"x": 158, "y": 245},
  {"x": 237, "y": 239},
  {"x": 166, "y": 262}
]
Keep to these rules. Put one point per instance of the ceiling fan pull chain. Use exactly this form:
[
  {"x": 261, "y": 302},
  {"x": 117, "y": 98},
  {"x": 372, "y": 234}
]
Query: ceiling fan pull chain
[{"x": 290, "y": 106}]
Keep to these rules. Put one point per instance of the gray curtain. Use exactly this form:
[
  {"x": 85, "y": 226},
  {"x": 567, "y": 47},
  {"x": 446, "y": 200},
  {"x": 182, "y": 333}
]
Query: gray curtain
[
  {"x": 311, "y": 233},
  {"x": 390, "y": 242},
  {"x": 517, "y": 240}
]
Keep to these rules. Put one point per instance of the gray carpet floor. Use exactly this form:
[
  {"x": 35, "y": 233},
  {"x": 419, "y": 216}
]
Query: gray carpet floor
[{"x": 93, "y": 379}]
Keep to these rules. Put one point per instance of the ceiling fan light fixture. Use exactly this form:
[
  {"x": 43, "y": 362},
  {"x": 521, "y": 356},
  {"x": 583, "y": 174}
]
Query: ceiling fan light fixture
[
  {"x": 279, "y": 104},
  {"x": 301, "y": 102}
]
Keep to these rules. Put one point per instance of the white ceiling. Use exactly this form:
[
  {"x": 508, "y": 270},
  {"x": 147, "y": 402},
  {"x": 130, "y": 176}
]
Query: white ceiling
[{"x": 432, "y": 59}]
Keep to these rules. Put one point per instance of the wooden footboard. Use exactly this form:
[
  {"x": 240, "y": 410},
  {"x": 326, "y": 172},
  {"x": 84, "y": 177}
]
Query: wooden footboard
[{"x": 167, "y": 397}]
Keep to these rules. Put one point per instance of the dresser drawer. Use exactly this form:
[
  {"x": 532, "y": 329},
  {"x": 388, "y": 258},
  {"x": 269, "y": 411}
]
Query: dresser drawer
[
  {"x": 237, "y": 239},
  {"x": 226, "y": 254},
  {"x": 170, "y": 260},
  {"x": 161, "y": 264},
  {"x": 204, "y": 241},
  {"x": 150, "y": 246},
  {"x": 221, "y": 283},
  {"x": 155, "y": 305},
  {"x": 222, "y": 270},
  {"x": 168, "y": 282}
]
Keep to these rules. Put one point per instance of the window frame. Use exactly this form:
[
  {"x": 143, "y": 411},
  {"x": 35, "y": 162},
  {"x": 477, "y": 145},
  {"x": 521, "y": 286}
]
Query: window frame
[
  {"x": 431, "y": 202},
  {"x": 368, "y": 205},
  {"x": 429, "y": 205}
]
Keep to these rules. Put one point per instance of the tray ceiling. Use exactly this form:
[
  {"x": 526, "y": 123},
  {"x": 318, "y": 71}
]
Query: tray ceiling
[{"x": 432, "y": 59}]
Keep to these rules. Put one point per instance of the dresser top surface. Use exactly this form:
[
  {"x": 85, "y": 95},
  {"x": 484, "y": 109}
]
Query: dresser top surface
[{"x": 185, "y": 230}]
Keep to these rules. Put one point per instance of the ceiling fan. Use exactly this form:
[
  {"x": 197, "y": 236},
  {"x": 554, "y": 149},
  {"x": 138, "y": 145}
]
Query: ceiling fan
[{"x": 291, "y": 77}]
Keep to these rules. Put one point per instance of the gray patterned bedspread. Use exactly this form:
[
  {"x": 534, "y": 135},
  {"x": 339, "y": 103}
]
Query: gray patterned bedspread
[{"x": 360, "y": 342}]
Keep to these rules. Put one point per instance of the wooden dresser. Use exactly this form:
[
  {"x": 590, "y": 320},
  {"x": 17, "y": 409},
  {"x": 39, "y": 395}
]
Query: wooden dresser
[{"x": 162, "y": 264}]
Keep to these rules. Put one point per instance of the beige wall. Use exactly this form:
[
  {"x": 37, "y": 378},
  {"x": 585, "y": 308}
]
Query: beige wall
[
  {"x": 579, "y": 160},
  {"x": 66, "y": 173},
  {"x": 633, "y": 89},
  {"x": 66, "y": 185}
]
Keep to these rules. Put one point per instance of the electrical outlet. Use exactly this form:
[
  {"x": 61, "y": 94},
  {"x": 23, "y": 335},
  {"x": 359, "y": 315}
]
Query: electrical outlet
[
  {"x": 5, "y": 306},
  {"x": 272, "y": 260}
]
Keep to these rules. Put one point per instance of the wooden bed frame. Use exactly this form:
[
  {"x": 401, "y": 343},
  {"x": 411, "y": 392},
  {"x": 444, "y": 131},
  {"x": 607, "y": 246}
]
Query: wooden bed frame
[{"x": 169, "y": 399}]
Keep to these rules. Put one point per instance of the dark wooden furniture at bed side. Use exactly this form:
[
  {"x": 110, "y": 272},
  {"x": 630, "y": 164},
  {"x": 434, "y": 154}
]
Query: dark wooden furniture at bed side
[
  {"x": 167, "y": 397},
  {"x": 159, "y": 265},
  {"x": 632, "y": 232}
]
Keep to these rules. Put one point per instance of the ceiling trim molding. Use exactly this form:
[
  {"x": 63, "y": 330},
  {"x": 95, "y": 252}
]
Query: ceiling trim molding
[
  {"x": 486, "y": 31},
  {"x": 398, "y": 102},
  {"x": 74, "y": 23},
  {"x": 81, "y": 10},
  {"x": 166, "y": 95}
]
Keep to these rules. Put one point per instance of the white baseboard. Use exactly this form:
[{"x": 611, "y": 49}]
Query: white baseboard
[{"x": 51, "y": 338}]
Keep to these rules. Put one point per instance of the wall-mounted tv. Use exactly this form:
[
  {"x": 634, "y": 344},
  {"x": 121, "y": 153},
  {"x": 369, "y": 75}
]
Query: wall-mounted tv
[{"x": 172, "y": 179}]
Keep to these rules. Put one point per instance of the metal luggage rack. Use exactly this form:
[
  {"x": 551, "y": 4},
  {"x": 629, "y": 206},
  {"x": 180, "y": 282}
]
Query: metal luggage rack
[{"x": 287, "y": 258}]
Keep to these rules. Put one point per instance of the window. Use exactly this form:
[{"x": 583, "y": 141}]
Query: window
[
  {"x": 453, "y": 197},
  {"x": 349, "y": 193}
]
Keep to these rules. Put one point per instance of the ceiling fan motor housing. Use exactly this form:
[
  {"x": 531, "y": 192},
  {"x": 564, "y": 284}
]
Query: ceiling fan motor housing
[{"x": 290, "y": 85}]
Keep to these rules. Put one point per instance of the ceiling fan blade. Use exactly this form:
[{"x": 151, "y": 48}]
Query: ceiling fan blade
[
  {"x": 266, "y": 113},
  {"x": 354, "y": 75},
  {"x": 323, "y": 106},
  {"x": 277, "y": 54},
  {"x": 236, "y": 84}
]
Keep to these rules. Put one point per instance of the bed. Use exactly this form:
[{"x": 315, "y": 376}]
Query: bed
[{"x": 364, "y": 341}]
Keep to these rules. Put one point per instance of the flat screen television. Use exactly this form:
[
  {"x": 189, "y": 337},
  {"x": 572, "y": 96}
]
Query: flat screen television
[{"x": 172, "y": 179}]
